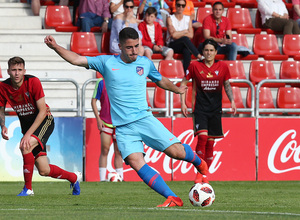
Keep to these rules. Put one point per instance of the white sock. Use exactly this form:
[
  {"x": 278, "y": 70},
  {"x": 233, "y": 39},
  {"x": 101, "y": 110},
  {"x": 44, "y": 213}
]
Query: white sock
[
  {"x": 102, "y": 172},
  {"x": 120, "y": 172}
]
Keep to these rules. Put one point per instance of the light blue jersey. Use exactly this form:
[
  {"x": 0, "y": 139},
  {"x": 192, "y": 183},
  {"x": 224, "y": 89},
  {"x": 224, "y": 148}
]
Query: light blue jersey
[{"x": 126, "y": 85}]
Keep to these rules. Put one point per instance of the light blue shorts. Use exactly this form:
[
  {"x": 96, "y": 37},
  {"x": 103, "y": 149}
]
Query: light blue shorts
[{"x": 152, "y": 132}]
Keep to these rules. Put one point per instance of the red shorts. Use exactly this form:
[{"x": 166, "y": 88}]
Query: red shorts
[{"x": 109, "y": 131}]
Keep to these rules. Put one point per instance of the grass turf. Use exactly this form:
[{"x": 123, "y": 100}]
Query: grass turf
[{"x": 135, "y": 200}]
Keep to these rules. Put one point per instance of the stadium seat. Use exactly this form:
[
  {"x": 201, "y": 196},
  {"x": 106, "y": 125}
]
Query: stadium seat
[
  {"x": 159, "y": 98},
  {"x": 241, "y": 40},
  {"x": 241, "y": 21},
  {"x": 258, "y": 24},
  {"x": 189, "y": 95},
  {"x": 237, "y": 96},
  {"x": 266, "y": 46},
  {"x": 288, "y": 97},
  {"x": 148, "y": 99},
  {"x": 265, "y": 98},
  {"x": 105, "y": 43},
  {"x": 84, "y": 43},
  {"x": 46, "y": 2},
  {"x": 171, "y": 68},
  {"x": 59, "y": 18},
  {"x": 246, "y": 3},
  {"x": 203, "y": 13},
  {"x": 260, "y": 70},
  {"x": 290, "y": 70},
  {"x": 237, "y": 71},
  {"x": 291, "y": 45},
  {"x": 224, "y": 2}
]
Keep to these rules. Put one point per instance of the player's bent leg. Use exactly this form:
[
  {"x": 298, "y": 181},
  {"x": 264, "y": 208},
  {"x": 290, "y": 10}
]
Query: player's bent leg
[{"x": 150, "y": 176}]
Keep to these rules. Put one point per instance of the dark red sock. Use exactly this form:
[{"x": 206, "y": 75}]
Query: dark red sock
[
  {"x": 209, "y": 155},
  {"x": 201, "y": 143},
  {"x": 28, "y": 165},
  {"x": 58, "y": 173}
]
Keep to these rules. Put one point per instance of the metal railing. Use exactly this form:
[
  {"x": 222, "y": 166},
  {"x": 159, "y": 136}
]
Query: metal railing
[{"x": 273, "y": 110}]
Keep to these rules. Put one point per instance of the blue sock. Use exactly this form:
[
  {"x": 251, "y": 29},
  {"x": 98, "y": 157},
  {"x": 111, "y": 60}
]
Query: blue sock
[
  {"x": 191, "y": 156},
  {"x": 155, "y": 181}
]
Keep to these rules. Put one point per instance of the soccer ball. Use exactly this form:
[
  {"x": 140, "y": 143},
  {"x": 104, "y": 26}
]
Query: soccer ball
[
  {"x": 114, "y": 177},
  {"x": 202, "y": 194}
]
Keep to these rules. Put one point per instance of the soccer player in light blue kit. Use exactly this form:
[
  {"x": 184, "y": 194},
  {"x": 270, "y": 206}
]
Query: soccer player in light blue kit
[{"x": 125, "y": 77}]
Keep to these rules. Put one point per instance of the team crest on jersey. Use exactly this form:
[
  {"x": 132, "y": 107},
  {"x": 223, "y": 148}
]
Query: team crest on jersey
[
  {"x": 140, "y": 70},
  {"x": 217, "y": 72}
]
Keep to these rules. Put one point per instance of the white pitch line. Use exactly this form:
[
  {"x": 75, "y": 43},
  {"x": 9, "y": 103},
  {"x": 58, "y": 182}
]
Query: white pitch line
[
  {"x": 17, "y": 209},
  {"x": 228, "y": 211}
]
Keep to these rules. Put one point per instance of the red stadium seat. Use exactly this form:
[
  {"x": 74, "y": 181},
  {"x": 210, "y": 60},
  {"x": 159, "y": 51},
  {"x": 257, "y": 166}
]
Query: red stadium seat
[
  {"x": 241, "y": 40},
  {"x": 105, "y": 43},
  {"x": 266, "y": 46},
  {"x": 189, "y": 95},
  {"x": 265, "y": 98},
  {"x": 291, "y": 45},
  {"x": 171, "y": 68},
  {"x": 59, "y": 18},
  {"x": 241, "y": 21},
  {"x": 246, "y": 3},
  {"x": 237, "y": 96},
  {"x": 84, "y": 43},
  {"x": 203, "y": 13},
  {"x": 260, "y": 70},
  {"x": 159, "y": 98},
  {"x": 237, "y": 71},
  {"x": 290, "y": 70},
  {"x": 288, "y": 97}
]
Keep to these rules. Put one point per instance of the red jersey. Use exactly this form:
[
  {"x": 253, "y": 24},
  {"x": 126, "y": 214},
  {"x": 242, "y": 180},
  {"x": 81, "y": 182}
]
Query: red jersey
[
  {"x": 209, "y": 83},
  {"x": 210, "y": 23},
  {"x": 23, "y": 100}
]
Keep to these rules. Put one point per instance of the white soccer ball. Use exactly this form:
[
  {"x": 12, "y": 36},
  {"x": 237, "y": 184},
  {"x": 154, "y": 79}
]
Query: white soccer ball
[
  {"x": 202, "y": 194},
  {"x": 114, "y": 177}
]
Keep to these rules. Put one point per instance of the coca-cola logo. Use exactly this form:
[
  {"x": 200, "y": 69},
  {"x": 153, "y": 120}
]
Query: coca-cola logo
[
  {"x": 284, "y": 155},
  {"x": 153, "y": 157}
]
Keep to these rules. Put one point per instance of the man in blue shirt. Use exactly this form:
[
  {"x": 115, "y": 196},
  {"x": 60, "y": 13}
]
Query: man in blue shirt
[{"x": 125, "y": 77}]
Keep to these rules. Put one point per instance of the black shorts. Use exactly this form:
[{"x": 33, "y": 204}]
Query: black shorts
[
  {"x": 210, "y": 122},
  {"x": 42, "y": 134}
]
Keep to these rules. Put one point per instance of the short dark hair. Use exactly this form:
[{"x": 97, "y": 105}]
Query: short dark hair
[
  {"x": 15, "y": 60},
  {"x": 127, "y": 33},
  {"x": 180, "y": 0},
  {"x": 218, "y": 3},
  {"x": 211, "y": 42},
  {"x": 125, "y": 1},
  {"x": 150, "y": 11}
]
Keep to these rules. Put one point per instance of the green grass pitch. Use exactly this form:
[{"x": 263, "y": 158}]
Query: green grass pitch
[{"x": 135, "y": 200}]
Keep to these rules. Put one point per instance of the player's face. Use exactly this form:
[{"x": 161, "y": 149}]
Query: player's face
[
  {"x": 209, "y": 52},
  {"x": 218, "y": 11},
  {"x": 129, "y": 50},
  {"x": 16, "y": 73},
  {"x": 150, "y": 18}
]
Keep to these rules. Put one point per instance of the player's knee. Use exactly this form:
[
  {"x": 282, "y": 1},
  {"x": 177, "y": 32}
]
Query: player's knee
[{"x": 44, "y": 172}]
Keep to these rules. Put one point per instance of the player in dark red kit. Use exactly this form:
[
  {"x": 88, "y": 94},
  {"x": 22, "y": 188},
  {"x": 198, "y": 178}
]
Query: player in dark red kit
[
  {"x": 209, "y": 76},
  {"x": 26, "y": 96}
]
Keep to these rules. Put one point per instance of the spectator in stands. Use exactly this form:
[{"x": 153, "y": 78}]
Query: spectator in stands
[
  {"x": 189, "y": 11},
  {"x": 94, "y": 13},
  {"x": 153, "y": 37},
  {"x": 116, "y": 7},
  {"x": 275, "y": 16},
  {"x": 296, "y": 11},
  {"x": 160, "y": 6},
  {"x": 107, "y": 130},
  {"x": 35, "y": 6},
  {"x": 126, "y": 19},
  {"x": 218, "y": 28},
  {"x": 180, "y": 32}
]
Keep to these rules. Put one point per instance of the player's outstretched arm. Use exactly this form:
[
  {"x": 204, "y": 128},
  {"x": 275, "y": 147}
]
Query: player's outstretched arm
[
  {"x": 166, "y": 84},
  {"x": 2, "y": 123},
  {"x": 67, "y": 55}
]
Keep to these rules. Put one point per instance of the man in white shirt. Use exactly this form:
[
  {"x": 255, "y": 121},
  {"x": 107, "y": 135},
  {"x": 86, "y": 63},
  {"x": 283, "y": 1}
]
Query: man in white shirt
[{"x": 274, "y": 15}]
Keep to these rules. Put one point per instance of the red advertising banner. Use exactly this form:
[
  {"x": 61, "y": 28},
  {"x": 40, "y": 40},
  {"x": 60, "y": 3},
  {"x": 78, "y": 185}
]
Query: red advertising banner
[
  {"x": 153, "y": 158},
  {"x": 279, "y": 149},
  {"x": 234, "y": 155}
]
